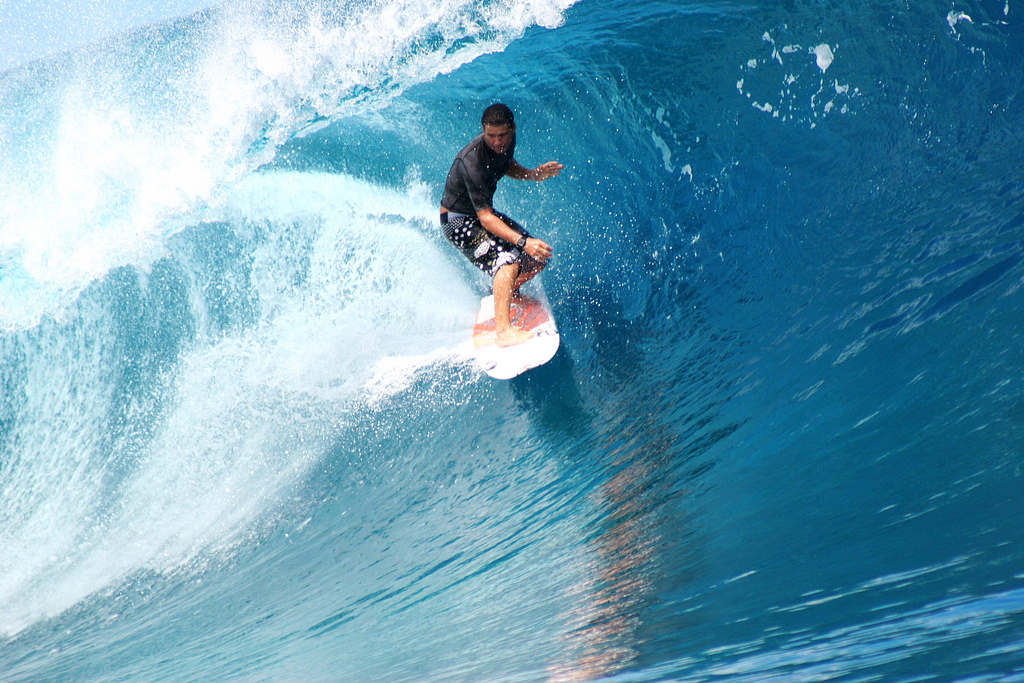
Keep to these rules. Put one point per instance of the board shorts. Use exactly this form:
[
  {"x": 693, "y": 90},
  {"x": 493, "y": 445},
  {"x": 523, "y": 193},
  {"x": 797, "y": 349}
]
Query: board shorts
[{"x": 485, "y": 250}]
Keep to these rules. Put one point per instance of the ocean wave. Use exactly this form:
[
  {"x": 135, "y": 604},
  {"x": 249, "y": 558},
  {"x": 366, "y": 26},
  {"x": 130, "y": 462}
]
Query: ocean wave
[{"x": 112, "y": 149}]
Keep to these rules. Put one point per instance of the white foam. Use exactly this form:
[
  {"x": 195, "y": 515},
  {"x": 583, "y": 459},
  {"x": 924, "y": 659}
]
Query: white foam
[
  {"x": 356, "y": 296},
  {"x": 122, "y": 146},
  {"x": 370, "y": 262},
  {"x": 666, "y": 153},
  {"x": 823, "y": 56},
  {"x": 954, "y": 18},
  {"x": 785, "y": 92}
]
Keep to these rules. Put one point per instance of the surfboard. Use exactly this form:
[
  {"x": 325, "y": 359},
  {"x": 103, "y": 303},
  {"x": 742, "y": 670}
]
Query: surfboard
[{"x": 533, "y": 315}]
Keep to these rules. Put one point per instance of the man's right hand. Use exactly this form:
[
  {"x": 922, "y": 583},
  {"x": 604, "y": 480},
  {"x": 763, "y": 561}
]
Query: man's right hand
[{"x": 538, "y": 249}]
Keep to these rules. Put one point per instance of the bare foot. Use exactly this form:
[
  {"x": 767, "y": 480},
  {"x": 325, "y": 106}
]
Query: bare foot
[{"x": 513, "y": 336}]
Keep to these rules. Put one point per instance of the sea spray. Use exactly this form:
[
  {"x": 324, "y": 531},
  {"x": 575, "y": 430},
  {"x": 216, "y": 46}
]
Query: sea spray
[
  {"x": 215, "y": 424},
  {"x": 111, "y": 150}
]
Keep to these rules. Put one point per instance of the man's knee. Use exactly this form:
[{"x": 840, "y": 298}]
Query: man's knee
[{"x": 509, "y": 270}]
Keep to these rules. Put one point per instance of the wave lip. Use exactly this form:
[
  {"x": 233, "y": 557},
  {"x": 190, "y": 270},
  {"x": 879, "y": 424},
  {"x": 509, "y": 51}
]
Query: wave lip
[
  {"x": 157, "y": 427},
  {"x": 115, "y": 148}
]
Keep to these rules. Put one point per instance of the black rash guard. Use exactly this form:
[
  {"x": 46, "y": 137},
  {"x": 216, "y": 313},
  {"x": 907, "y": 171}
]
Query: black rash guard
[{"x": 473, "y": 177}]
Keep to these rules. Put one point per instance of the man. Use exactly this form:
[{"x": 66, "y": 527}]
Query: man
[{"x": 492, "y": 241}]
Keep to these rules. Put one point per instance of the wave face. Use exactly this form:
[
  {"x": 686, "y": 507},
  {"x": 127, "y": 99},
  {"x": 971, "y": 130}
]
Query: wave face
[{"x": 241, "y": 439}]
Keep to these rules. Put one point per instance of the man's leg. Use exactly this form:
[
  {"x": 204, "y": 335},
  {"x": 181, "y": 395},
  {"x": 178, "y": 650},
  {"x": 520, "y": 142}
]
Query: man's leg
[
  {"x": 524, "y": 276},
  {"x": 529, "y": 267},
  {"x": 504, "y": 282}
]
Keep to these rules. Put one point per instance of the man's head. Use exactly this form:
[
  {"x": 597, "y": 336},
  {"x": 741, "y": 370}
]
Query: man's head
[
  {"x": 499, "y": 127},
  {"x": 498, "y": 115}
]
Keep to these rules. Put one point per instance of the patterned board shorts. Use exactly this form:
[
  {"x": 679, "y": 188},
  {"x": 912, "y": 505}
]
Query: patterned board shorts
[{"x": 486, "y": 251}]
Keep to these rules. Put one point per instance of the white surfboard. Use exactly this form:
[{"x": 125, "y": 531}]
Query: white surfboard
[{"x": 532, "y": 315}]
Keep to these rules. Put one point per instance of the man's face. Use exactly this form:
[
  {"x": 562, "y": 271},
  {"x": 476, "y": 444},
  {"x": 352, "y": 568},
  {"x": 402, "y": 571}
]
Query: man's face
[{"x": 499, "y": 138}]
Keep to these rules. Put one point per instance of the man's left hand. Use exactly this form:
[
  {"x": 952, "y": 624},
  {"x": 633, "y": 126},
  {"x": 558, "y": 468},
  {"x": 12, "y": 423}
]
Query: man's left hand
[{"x": 548, "y": 170}]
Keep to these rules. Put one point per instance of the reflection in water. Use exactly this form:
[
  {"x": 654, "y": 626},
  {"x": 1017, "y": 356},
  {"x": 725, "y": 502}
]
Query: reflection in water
[
  {"x": 649, "y": 454},
  {"x": 604, "y": 623}
]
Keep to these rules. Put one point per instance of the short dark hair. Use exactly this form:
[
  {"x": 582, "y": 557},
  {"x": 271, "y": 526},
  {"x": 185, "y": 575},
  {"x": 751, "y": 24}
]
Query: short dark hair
[{"x": 498, "y": 115}]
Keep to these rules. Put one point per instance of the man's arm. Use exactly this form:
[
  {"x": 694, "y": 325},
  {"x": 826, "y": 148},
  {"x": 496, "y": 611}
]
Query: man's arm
[
  {"x": 536, "y": 248},
  {"x": 542, "y": 172}
]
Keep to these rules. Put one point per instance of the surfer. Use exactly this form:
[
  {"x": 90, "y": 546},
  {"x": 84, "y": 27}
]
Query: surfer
[{"x": 492, "y": 241}]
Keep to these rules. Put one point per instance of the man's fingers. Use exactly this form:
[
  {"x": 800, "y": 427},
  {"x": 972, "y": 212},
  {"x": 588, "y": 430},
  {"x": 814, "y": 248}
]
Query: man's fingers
[
  {"x": 541, "y": 250},
  {"x": 549, "y": 170}
]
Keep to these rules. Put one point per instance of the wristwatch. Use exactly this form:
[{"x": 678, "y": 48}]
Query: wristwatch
[{"x": 522, "y": 242}]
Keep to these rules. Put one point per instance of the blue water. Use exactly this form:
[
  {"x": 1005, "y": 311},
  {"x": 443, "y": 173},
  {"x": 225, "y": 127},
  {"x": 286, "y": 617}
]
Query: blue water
[{"x": 241, "y": 438}]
